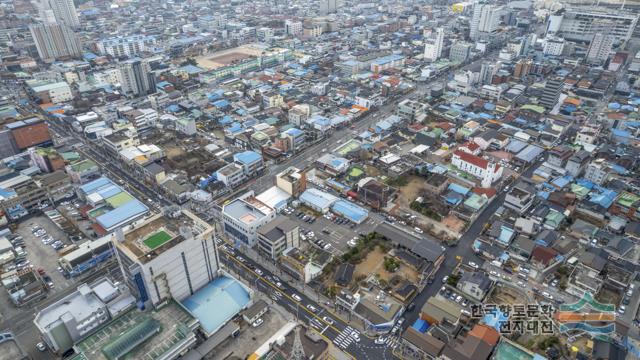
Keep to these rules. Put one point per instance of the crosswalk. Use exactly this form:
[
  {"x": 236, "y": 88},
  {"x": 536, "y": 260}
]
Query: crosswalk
[
  {"x": 392, "y": 342},
  {"x": 344, "y": 339}
]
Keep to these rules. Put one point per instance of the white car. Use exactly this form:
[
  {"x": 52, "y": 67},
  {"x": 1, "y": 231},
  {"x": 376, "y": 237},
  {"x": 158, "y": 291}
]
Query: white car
[
  {"x": 312, "y": 308},
  {"x": 380, "y": 340},
  {"x": 522, "y": 284},
  {"x": 473, "y": 265},
  {"x": 328, "y": 320},
  {"x": 418, "y": 230},
  {"x": 259, "y": 272},
  {"x": 41, "y": 346},
  {"x": 296, "y": 297},
  {"x": 257, "y": 322}
]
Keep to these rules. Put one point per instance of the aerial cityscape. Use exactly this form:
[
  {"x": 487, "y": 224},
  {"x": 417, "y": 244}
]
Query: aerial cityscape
[{"x": 319, "y": 179}]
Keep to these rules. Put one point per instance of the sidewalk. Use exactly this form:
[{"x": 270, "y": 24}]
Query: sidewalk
[{"x": 321, "y": 299}]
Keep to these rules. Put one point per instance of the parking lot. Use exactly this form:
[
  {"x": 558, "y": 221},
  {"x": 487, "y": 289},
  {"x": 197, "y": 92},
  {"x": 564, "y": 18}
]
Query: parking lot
[
  {"x": 42, "y": 255},
  {"x": 330, "y": 230}
]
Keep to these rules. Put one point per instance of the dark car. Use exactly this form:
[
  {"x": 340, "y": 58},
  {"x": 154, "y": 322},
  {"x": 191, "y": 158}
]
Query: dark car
[{"x": 411, "y": 307}]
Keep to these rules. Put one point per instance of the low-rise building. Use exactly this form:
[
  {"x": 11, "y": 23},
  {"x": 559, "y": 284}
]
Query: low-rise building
[
  {"x": 243, "y": 216},
  {"x": 75, "y": 316},
  {"x": 277, "y": 236}
]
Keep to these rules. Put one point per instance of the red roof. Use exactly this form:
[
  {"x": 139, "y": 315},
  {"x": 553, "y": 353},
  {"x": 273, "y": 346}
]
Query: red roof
[
  {"x": 472, "y": 146},
  {"x": 489, "y": 192},
  {"x": 471, "y": 159},
  {"x": 543, "y": 255}
]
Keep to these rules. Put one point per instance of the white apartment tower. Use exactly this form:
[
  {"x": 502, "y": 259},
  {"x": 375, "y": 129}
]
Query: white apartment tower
[
  {"x": 64, "y": 12},
  {"x": 433, "y": 45},
  {"x": 599, "y": 48},
  {"x": 485, "y": 20},
  {"x": 55, "y": 41},
  {"x": 136, "y": 77}
]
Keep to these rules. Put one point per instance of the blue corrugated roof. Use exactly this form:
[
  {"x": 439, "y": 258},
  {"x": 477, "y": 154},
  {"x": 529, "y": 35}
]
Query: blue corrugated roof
[
  {"x": 95, "y": 184},
  {"x": 109, "y": 191},
  {"x": 350, "y": 210},
  {"x": 121, "y": 214},
  {"x": 459, "y": 189},
  {"x": 247, "y": 157}
]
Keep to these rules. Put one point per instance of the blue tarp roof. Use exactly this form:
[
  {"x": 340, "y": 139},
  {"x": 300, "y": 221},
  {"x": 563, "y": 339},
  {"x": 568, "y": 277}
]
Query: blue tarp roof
[
  {"x": 458, "y": 189},
  {"x": 420, "y": 325},
  {"x": 225, "y": 120}
]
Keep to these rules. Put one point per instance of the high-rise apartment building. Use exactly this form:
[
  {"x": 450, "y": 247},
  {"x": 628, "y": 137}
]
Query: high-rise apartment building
[
  {"x": 328, "y": 6},
  {"x": 136, "y": 77},
  {"x": 599, "y": 48},
  {"x": 64, "y": 12},
  {"x": 55, "y": 41},
  {"x": 433, "y": 45},
  {"x": 484, "y": 20}
]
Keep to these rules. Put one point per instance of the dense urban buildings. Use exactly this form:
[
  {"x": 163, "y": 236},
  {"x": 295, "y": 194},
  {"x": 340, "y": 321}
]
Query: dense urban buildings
[{"x": 323, "y": 179}]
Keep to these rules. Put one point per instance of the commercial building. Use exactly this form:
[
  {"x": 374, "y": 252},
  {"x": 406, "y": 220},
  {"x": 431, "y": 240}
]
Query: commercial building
[
  {"x": 488, "y": 172},
  {"x": 292, "y": 180},
  {"x": 51, "y": 92},
  {"x": 387, "y": 62},
  {"x": 460, "y": 51},
  {"x": 168, "y": 256},
  {"x": 582, "y": 24},
  {"x": 553, "y": 46},
  {"x": 162, "y": 334},
  {"x": 433, "y": 45},
  {"x": 55, "y": 41},
  {"x": 278, "y": 235},
  {"x": 136, "y": 78},
  {"x": 109, "y": 206},
  {"x": 243, "y": 216},
  {"x": 551, "y": 92},
  {"x": 29, "y": 133},
  {"x": 250, "y": 161},
  {"x": 75, "y": 316}
]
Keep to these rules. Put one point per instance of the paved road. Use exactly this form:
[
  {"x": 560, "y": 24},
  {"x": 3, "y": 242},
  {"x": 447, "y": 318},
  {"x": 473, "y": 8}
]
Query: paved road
[
  {"x": 463, "y": 249},
  {"x": 305, "y": 309}
]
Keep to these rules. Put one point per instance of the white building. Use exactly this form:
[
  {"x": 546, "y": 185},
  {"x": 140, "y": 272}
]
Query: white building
[
  {"x": 55, "y": 41},
  {"x": 243, "y": 216},
  {"x": 582, "y": 24},
  {"x": 599, "y": 48},
  {"x": 56, "y": 93},
  {"x": 167, "y": 256},
  {"x": 64, "y": 12},
  {"x": 488, "y": 172},
  {"x": 75, "y": 316},
  {"x": 126, "y": 46},
  {"x": 433, "y": 46},
  {"x": 136, "y": 77},
  {"x": 484, "y": 20},
  {"x": 293, "y": 28},
  {"x": 186, "y": 125},
  {"x": 553, "y": 46}
]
